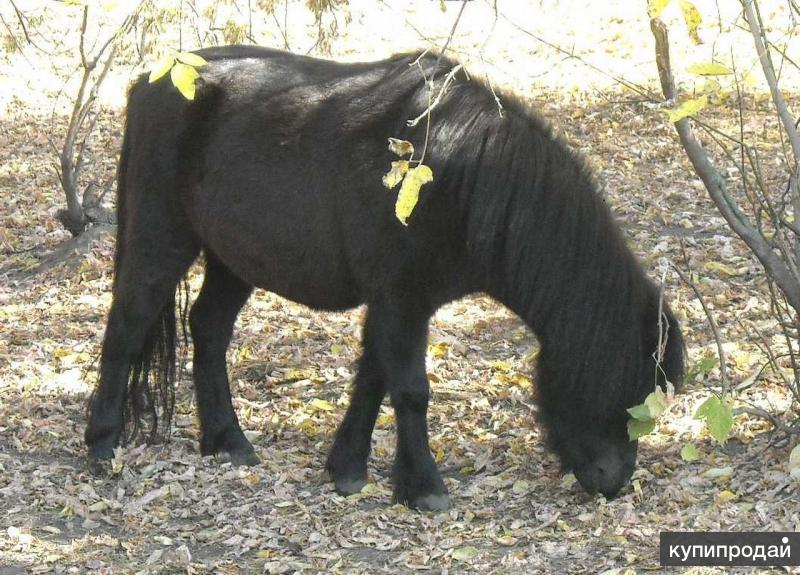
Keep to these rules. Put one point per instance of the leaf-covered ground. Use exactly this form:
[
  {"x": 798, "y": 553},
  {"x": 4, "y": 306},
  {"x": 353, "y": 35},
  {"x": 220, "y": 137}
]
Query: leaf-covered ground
[{"x": 167, "y": 510}]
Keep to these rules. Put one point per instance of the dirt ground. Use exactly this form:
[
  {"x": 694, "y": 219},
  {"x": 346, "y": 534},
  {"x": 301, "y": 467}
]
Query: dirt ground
[{"x": 167, "y": 510}]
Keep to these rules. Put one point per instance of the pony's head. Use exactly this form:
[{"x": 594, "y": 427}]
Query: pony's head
[{"x": 589, "y": 432}]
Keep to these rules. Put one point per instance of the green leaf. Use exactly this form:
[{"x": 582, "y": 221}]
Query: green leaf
[
  {"x": 395, "y": 175},
  {"x": 163, "y": 66},
  {"x": 690, "y": 453},
  {"x": 409, "y": 192},
  {"x": 637, "y": 429},
  {"x": 191, "y": 59},
  {"x": 183, "y": 77},
  {"x": 701, "y": 369},
  {"x": 654, "y": 405},
  {"x": 710, "y": 69},
  {"x": 640, "y": 412},
  {"x": 718, "y": 416},
  {"x": 693, "y": 20},
  {"x": 656, "y": 402},
  {"x": 656, "y": 7},
  {"x": 465, "y": 553},
  {"x": 688, "y": 108}
]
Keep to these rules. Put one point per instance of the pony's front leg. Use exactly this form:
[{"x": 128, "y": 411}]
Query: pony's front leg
[
  {"x": 401, "y": 342},
  {"x": 347, "y": 460}
]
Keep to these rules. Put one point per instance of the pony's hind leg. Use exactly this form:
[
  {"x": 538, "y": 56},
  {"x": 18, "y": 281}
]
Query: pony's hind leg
[
  {"x": 211, "y": 320},
  {"x": 347, "y": 460},
  {"x": 144, "y": 291}
]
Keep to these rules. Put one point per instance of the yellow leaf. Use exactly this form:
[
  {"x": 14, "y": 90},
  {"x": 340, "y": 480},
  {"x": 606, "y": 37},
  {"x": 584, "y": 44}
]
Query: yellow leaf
[
  {"x": 401, "y": 147},
  {"x": 395, "y": 175},
  {"x": 191, "y": 59},
  {"x": 656, "y": 7},
  {"x": 438, "y": 349},
  {"x": 724, "y": 497},
  {"x": 183, "y": 77},
  {"x": 385, "y": 420},
  {"x": 307, "y": 426},
  {"x": 721, "y": 268},
  {"x": 163, "y": 66},
  {"x": 409, "y": 191},
  {"x": 506, "y": 540},
  {"x": 688, "y": 108},
  {"x": 710, "y": 69},
  {"x": 321, "y": 405},
  {"x": 519, "y": 380},
  {"x": 502, "y": 365},
  {"x": 692, "y": 18}
]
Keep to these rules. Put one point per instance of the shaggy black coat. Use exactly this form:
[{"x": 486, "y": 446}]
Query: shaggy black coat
[{"x": 274, "y": 173}]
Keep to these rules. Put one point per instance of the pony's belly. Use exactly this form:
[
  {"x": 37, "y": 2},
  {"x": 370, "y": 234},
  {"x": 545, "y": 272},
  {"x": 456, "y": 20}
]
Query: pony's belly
[{"x": 317, "y": 278}]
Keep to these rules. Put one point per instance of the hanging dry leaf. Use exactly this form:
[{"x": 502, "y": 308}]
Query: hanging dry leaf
[
  {"x": 395, "y": 175},
  {"x": 409, "y": 191},
  {"x": 401, "y": 147}
]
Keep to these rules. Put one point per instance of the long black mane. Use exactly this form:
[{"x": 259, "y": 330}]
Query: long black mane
[{"x": 547, "y": 246}]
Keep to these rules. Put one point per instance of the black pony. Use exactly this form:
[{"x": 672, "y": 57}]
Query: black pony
[{"x": 274, "y": 173}]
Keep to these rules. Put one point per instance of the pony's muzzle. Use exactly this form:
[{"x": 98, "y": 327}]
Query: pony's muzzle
[{"x": 607, "y": 475}]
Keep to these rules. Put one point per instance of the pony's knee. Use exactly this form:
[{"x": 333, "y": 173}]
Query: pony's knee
[{"x": 411, "y": 399}]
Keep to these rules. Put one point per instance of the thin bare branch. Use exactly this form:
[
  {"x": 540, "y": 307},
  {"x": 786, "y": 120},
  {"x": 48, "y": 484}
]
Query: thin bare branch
[
  {"x": 449, "y": 37},
  {"x": 723, "y": 370},
  {"x": 750, "y": 7},
  {"x": 445, "y": 83}
]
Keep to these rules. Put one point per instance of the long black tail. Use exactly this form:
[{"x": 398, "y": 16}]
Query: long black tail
[
  {"x": 150, "y": 395},
  {"x": 151, "y": 385}
]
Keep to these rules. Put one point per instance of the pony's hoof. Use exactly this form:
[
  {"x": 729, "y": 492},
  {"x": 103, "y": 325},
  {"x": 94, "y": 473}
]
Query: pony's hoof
[
  {"x": 244, "y": 457},
  {"x": 349, "y": 485},
  {"x": 432, "y": 502},
  {"x": 237, "y": 458},
  {"x": 99, "y": 459},
  {"x": 99, "y": 466}
]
